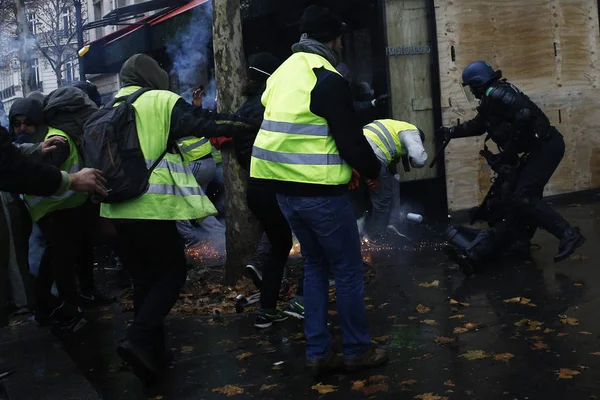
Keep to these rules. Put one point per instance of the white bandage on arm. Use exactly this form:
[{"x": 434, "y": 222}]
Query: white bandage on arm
[{"x": 411, "y": 140}]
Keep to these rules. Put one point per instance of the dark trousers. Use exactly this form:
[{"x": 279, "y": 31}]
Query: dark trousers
[
  {"x": 263, "y": 204},
  {"x": 534, "y": 175},
  {"x": 154, "y": 255},
  {"x": 64, "y": 231},
  {"x": 85, "y": 263}
]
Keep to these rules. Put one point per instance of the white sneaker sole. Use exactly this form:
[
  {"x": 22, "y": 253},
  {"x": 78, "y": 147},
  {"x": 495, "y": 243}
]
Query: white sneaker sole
[
  {"x": 294, "y": 314},
  {"x": 255, "y": 271}
]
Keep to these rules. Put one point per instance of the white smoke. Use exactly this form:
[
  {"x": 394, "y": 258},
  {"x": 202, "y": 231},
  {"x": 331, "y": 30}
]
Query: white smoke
[{"x": 190, "y": 50}]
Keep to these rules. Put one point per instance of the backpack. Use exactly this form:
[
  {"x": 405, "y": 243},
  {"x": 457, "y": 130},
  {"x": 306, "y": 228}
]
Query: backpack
[{"x": 111, "y": 144}]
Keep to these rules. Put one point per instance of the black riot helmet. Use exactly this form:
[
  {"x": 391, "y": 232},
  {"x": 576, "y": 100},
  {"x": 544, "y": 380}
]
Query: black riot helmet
[{"x": 479, "y": 75}]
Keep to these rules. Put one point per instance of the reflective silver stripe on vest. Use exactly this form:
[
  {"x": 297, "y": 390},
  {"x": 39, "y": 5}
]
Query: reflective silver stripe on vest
[
  {"x": 36, "y": 200},
  {"x": 171, "y": 166},
  {"x": 173, "y": 190},
  {"x": 297, "y": 129},
  {"x": 194, "y": 145},
  {"x": 385, "y": 137},
  {"x": 297, "y": 158}
]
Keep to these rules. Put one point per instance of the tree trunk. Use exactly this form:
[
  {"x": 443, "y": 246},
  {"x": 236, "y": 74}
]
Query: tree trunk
[
  {"x": 25, "y": 53},
  {"x": 242, "y": 229}
]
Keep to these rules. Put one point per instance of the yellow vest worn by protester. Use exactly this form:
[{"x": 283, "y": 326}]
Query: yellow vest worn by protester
[
  {"x": 194, "y": 148},
  {"x": 385, "y": 134},
  {"x": 42, "y": 206},
  {"x": 217, "y": 155},
  {"x": 293, "y": 144},
  {"x": 173, "y": 193}
]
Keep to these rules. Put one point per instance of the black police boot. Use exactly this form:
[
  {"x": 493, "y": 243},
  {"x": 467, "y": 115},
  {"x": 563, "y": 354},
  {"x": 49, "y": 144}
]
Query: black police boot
[
  {"x": 460, "y": 257},
  {"x": 571, "y": 240}
]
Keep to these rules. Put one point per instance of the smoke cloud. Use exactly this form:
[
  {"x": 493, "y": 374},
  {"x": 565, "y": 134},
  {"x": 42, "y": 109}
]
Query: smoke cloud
[{"x": 190, "y": 50}]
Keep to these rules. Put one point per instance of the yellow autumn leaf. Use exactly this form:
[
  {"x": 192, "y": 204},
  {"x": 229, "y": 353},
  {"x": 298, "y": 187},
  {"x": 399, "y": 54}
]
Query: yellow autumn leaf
[
  {"x": 449, "y": 383},
  {"x": 423, "y": 309},
  {"x": 561, "y": 334},
  {"x": 548, "y": 330},
  {"x": 429, "y": 322},
  {"x": 578, "y": 284},
  {"x": 503, "y": 357},
  {"x": 381, "y": 339},
  {"x": 229, "y": 390},
  {"x": 471, "y": 326},
  {"x": 432, "y": 284},
  {"x": 243, "y": 356},
  {"x": 569, "y": 321},
  {"x": 268, "y": 387},
  {"x": 530, "y": 324},
  {"x": 586, "y": 333},
  {"x": 358, "y": 385},
  {"x": 596, "y": 353},
  {"x": 475, "y": 355},
  {"x": 459, "y": 330},
  {"x": 565, "y": 373},
  {"x": 444, "y": 340},
  {"x": 324, "y": 389},
  {"x": 187, "y": 349},
  {"x": 412, "y": 318},
  {"x": 458, "y": 303},
  {"x": 430, "y": 396},
  {"x": 457, "y": 316}
]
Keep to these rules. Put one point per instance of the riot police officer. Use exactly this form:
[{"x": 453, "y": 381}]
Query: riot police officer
[{"x": 524, "y": 136}]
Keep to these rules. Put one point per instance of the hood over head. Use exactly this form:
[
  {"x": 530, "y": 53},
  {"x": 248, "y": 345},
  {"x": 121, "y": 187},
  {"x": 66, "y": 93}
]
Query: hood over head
[
  {"x": 28, "y": 107},
  {"x": 37, "y": 96},
  {"x": 68, "y": 109},
  {"x": 142, "y": 70}
]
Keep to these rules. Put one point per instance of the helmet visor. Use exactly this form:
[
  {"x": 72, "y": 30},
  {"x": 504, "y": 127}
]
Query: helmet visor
[{"x": 468, "y": 94}]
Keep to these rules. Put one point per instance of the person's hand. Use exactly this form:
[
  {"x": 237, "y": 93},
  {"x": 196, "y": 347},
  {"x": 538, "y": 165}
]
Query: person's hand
[
  {"x": 381, "y": 100},
  {"x": 354, "y": 181},
  {"x": 445, "y": 132},
  {"x": 373, "y": 184},
  {"x": 50, "y": 143},
  {"x": 89, "y": 180}
]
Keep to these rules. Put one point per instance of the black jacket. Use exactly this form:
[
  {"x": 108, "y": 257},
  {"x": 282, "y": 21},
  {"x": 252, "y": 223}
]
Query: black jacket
[
  {"x": 20, "y": 174},
  {"x": 252, "y": 108},
  {"x": 514, "y": 122}
]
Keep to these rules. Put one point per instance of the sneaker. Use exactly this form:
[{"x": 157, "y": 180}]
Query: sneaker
[
  {"x": 571, "y": 240},
  {"x": 329, "y": 363},
  {"x": 142, "y": 361},
  {"x": 372, "y": 357},
  {"x": 296, "y": 308},
  {"x": 74, "y": 325},
  {"x": 254, "y": 273},
  {"x": 266, "y": 317},
  {"x": 97, "y": 298}
]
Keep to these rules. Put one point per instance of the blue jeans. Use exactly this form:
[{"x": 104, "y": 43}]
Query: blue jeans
[
  {"x": 386, "y": 204},
  {"x": 327, "y": 232}
]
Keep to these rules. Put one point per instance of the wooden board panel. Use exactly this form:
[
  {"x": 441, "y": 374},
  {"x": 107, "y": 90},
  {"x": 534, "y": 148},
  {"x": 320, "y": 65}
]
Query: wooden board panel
[
  {"x": 521, "y": 40},
  {"x": 410, "y": 75}
]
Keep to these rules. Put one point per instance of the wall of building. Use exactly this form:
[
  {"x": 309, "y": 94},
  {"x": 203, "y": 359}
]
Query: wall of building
[{"x": 549, "y": 49}]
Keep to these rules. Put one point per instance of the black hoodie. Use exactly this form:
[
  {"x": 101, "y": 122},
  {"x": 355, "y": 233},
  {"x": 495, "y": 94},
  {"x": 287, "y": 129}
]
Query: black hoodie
[{"x": 33, "y": 111}]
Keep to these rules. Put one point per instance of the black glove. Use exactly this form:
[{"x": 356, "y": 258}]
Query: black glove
[
  {"x": 381, "y": 100},
  {"x": 491, "y": 158},
  {"x": 445, "y": 132}
]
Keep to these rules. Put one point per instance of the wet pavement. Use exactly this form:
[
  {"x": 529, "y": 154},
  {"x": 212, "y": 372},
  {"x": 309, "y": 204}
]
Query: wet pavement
[{"x": 519, "y": 330}]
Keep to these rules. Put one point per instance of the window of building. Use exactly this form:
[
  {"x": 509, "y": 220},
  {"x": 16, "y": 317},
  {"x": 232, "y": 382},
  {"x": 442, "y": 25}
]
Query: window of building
[
  {"x": 66, "y": 21},
  {"x": 98, "y": 14},
  {"x": 33, "y": 22},
  {"x": 36, "y": 76}
]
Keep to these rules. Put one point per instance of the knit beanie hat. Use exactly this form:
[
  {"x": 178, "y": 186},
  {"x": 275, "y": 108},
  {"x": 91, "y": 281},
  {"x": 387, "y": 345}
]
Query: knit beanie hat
[{"x": 320, "y": 24}]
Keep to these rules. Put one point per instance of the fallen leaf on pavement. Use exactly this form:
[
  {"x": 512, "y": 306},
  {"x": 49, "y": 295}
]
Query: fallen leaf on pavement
[
  {"x": 457, "y": 316},
  {"x": 503, "y": 357},
  {"x": 429, "y": 322},
  {"x": 428, "y": 285},
  {"x": 332, "y": 312},
  {"x": 470, "y": 325},
  {"x": 276, "y": 368},
  {"x": 297, "y": 336},
  {"x": 520, "y": 300},
  {"x": 392, "y": 317},
  {"x": 425, "y": 356},
  {"x": 324, "y": 389},
  {"x": 229, "y": 390},
  {"x": 475, "y": 355},
  {"x": 548, "y": 330},
  {"x": 369, "y": 307},
  {"x": 159, "y": 397},
  {"x": 583, "y": 367},
  {"x": 412, "y": 318},
  {"x": 578, "y": 257},
  {"x": 381, "y": 339},
  {"x": 423, "y": 309},
  {"x": 469, "y": 392},
  {"x": 408, "y": 382},
  {"x": 263, "y": 343},
  {"x": 244, "y": 355},
  {"x": 530, "y": 324},
  {"x": 562, "y": 334},
  {"x": 358, "y": 385},
  {"x": 458, "y": 303},
  {"x": 578, "y": 284},
  {"x": 540, "y": 346},
  {"x": 569, "y": 321},
  {"x": 596, "y": 353},
  {"x": 459, "y": 330},
  {"x": 268, "y": 387},
  {"x": 537, "y": 338},
  {"x": 567, "y": 373},
  {"x": 430, "y": 396},
  {"x": 187, "y": 349},
  {"x": 444, "y": 340},
  {"x": 586, "y": 333},
  {"x": 400, "y": 325},
  {"x": 449, "y": 383},
  {"x": 242, "y": 371}
]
